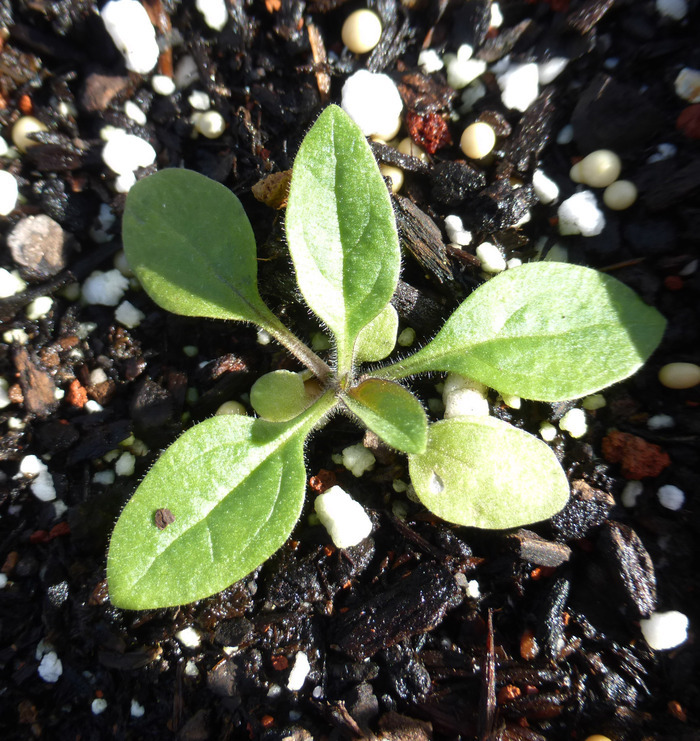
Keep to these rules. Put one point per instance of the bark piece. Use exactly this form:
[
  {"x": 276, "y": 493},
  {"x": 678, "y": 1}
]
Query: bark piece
[
  {"x": 631, "y": 566},
  {"x": 412, "y": 605},
  {"x": 532, "y": 548},
  {"x": 38, "y": 386}
]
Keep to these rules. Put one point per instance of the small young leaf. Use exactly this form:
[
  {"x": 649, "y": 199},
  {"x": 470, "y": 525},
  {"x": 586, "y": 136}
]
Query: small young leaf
[
  {"x": 232, "y": 488},
  {"x": 378, "y": 338},
  {"x": 191, "y": 245},
  {"x": 546, "y": 331},
  {"x": 482, "y": 472},
  {"x": 279, "y": 396},
  {"x": 341, "y": 229},
  {"x": 390, "y": 411}
]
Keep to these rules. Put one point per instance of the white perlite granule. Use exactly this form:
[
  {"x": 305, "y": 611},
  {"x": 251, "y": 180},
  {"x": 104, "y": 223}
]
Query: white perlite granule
[
  {"x": 464, "y": 397},
  {"x": 546, "y": 190},
  {"x": 50, "y": 667},
  {"x": 39, "y": 308},
  {"x": 125, "y": 465},
  {"x": 106, "y": 478},
  {"x": 188, "y": 637},
  {"x": 42, "y": 486},
  {"x": 551, "y": 69},
  {"x": 492, "y": 261},
  {"x": 462, "y": 69},
  {"x": 186, "y": 72},
  {"x": 123, "y": 153},
  {"x": 4, "y": 396},
  {"x": 10, "y": 283},
  {"x": 106, "y": 288},
  {"x": 215, "y": 13},
  {"x": 373, "y": 102},
  {"x": 98, "y": 706},
  {"x": 519, "y": 86},
  {"x": 548, "y": 431},
  {"x": 456, "y": 232},
  {"x": 676, "y": 10},
  {"x": 357, "y": 459},
  {"x": 163, "y": 85},
  {"x": 429, "y": 61},
  {"x": 574, "y": 422},
  {"x": 135, "y": 113},
  {"x": 660, "y": 422},
  {"x": 199, "y": 100},
  {"x": 132, "y": 32},
  {"x": 300, "y": 671},
  {"x": 632, "y": 491},
  {"x": 580, "y": 214},
  {"x": 9, "y": 192},
  {"x": 128, "y": 315},
  {"x": 671, "y": 497},
  {"x": 665, "y": 630},
  {"x": 687, "y": 85},
  {"x": 344, "y": 518}
]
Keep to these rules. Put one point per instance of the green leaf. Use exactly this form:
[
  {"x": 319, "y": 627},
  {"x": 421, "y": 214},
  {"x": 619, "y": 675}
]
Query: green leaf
[
  {"x": 378, "y": 338},
  {"x": 482, "y": 472},
  {"x": 390, "y": 411},
  {"x": 191, "y": 246},
  {"x": 235, "y": 487},
  {"x": 279, "y": 396},
  {"x": 341, "y": 230},
  {"x": 546, "y": 331}
]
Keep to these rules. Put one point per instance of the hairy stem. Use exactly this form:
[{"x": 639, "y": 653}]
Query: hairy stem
[{"x": 304, "y": 354}]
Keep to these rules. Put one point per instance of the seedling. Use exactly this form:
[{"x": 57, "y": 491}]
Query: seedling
[{"x": 227, "y": 494}]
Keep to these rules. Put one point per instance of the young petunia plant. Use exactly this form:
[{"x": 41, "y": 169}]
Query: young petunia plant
[{"x": 227, "y": 494}]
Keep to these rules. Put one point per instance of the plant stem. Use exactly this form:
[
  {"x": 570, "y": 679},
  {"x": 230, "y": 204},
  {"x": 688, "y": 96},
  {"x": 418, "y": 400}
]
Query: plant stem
[{"x": 305, "y": 354}]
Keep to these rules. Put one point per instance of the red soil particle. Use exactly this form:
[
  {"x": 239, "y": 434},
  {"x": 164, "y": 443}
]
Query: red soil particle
[
  {"x": 428, "y": 130},
  {"x": 638, "y": 458},
  {"x": 45, "y": 536},
  {"x": 323, "y": 481},
  {"x": 689, "y": 121},
  {"x": 509, "y": 692},
  {"x": 280, "y": 663},
  {"x": 673, "y": 283},
  {"x": 76, "y": 395},
  {"x": 25, "y": 104},
  {"x": 61, "y": 528},
  {"x": 39, "y": 536}
]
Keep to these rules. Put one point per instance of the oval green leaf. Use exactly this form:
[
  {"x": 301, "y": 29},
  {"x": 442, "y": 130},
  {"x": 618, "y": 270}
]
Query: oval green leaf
[
  {"x": 391, "y": 412},
  {"x": 482, "y": 472},
  {"x": 279, "y": 396},
  {"x": 378, "y": 338},
  {"x": 545, "y": 331},
  {"x": 191, "y": 245},
  {"x": 341, "y": 229},
  {"x": 235, "y": 488}
]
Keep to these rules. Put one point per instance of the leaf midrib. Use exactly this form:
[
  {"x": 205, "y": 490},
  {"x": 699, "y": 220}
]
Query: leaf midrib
[{"x": 217, "y": 271}]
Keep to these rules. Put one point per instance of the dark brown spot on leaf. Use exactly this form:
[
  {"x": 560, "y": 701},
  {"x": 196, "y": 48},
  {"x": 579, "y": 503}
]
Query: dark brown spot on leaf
[{"x": 163, "y": 518}]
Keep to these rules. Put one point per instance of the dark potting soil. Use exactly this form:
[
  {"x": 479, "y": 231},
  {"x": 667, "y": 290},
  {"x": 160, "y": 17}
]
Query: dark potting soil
[{"x": 400, "y": 641}]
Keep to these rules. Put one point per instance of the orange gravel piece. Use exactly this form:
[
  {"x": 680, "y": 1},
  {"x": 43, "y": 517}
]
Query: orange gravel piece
[
  {"x": 637, "y": 458},
  {"x": 76, "y": 395}
]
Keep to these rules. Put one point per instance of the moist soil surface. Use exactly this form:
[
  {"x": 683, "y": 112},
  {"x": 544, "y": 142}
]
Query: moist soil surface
[{"x": 424, "y": 630}]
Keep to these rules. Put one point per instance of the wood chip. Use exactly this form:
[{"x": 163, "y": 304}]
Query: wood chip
[
  {"x": 318, "y": 51},
  {"x": 38, "y": 386}
]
